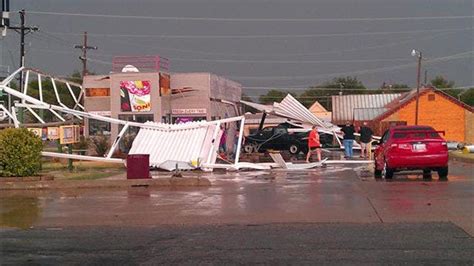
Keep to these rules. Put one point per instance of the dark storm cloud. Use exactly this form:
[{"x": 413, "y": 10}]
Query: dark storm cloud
[{"x": 278, "y": 60}]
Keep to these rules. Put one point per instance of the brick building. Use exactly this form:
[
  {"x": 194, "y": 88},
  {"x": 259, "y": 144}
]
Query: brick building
[{"x": 436, "y": 109}]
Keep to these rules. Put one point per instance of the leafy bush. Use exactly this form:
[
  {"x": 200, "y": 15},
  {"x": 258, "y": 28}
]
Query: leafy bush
[
  {"x": 20, "y": 152},
  {"x": 83, "y": 144},
  {"x": 101, "y": 144}
]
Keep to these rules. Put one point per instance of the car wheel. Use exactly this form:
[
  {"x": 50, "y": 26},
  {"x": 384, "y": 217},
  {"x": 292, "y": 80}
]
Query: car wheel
[
  {"x": 443, "y": 173},
  {"x": 294, "y": 149},
  {"x": 387, "y": 172},
  {"x": 249, "y": 148},
  {"x": 427, "y": 174}
]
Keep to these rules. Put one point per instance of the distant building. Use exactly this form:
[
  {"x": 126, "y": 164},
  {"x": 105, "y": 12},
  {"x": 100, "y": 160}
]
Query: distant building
[
  {"x": 318, "y": 110},
  {"x": 359, "y": 107},
  {"x": 436, "y": 109},
  {"x": 155, "y": 95}
]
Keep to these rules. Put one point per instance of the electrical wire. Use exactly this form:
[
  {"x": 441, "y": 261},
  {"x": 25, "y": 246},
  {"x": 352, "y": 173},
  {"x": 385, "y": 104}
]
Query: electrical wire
[
  {"x": 106, "y": 16},
  {"x": 259, "y": 36},
  {"x": 359, "y": 72}
]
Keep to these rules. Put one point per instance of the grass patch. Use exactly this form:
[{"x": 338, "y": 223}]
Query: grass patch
[{"x": 83, "y": 170}]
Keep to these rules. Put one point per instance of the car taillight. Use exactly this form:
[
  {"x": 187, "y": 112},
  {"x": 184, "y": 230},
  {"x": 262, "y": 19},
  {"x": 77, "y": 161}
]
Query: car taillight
[
  {"x": 401, "y": 146},
  {"x": 444, "y": 143}
]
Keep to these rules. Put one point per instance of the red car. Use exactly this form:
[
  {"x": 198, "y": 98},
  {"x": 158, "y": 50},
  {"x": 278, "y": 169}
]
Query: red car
[{"x": 411, "y": 148}]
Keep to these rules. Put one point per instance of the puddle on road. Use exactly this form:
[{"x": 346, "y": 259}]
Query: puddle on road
[{"x": 19, "y": 212}]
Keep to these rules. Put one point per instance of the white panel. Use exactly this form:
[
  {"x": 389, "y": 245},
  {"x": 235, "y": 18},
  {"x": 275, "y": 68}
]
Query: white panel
[{"x": 179, "y": 143}]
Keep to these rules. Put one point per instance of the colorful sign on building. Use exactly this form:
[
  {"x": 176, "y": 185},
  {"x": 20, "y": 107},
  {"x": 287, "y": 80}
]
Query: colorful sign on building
[{"x": 135, "y": 96}]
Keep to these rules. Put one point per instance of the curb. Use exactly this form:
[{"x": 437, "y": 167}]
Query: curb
[
  {"x": 78, "y": 184},
  {"x": 454, "y": 157}
]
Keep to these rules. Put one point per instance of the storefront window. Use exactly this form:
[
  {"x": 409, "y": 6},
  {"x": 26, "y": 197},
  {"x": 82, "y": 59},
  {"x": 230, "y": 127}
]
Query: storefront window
[{"x": 97, "y": 127}]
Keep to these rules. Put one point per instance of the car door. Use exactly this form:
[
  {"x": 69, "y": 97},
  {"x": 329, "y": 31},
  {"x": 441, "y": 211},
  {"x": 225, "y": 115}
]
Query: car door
[
  {"x": 276, "y": 139},
  {"x": 266, "y": 136}
]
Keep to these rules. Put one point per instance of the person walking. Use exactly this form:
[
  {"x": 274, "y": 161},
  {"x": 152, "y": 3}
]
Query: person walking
[
  {"x": 365, "y": 140},
  {"x": 348, "y": 139},
  {"x": 314, "y": 145}
]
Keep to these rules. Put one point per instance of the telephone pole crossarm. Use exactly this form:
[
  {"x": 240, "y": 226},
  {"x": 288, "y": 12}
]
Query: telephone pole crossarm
[{"x": 84, "y": 47}]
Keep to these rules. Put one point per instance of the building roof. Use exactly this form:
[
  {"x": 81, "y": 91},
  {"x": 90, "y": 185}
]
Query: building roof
[
  {"x": 343, "y": 105},
  {"x": 366, "y": 114},
  {"x": 317, "y": 108},
  {"x": 410, "y": 96}
]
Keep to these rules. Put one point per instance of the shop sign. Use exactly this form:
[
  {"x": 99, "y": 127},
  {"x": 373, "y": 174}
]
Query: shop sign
[
  {"x": 37, "y": 131},
  {"x": 135, "y": 96},
  {"x": 101, "y": 113},
  {"x": 69, "y": 134},
  {"x": 53, "y": 133},
  {"x": 192, "y": 111}
]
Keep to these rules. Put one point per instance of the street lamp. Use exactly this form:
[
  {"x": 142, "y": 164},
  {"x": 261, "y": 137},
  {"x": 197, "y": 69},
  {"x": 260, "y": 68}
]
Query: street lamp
[{"x": 419, "y": 56}]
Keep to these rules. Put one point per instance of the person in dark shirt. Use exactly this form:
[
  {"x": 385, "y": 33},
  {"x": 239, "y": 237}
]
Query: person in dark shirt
[
  {"x": 365, "y": 140},
  {"x": 348, "y": 139}
]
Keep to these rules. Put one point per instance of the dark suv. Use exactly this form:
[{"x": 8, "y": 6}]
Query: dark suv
[{"x": 278, "y": 138}]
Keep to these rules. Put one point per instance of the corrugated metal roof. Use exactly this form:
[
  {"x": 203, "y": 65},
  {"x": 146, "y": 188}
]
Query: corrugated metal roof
[
  {"x": 366, "y": 114},
  {"x": 269, "y": 119},
  {"x": 343, "y": 105},
  {"x": 290, "y": 107},
  {"x": 180, "y": 143}
]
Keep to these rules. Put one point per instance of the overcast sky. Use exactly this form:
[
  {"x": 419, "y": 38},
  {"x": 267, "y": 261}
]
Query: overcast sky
[{"x": 261, "y": 43}]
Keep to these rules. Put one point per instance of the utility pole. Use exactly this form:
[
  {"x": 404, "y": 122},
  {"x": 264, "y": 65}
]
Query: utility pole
[
  {"x": 84, "y": 49},
  {"x": 419, "y": 56},
  {"x": 426, "y": 77},
  {"x": 23, "y": 30}
]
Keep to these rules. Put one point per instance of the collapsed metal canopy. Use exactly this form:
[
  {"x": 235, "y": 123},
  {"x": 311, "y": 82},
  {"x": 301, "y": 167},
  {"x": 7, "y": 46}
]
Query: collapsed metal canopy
[
  {"x": 291, "y": 108},
  {"x": 178, "y": 143}
]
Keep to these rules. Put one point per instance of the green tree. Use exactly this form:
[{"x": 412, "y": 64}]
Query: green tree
[
  {"x": 467, "y": 96},
  {"x": 246, "y": 108},
  {"x": 323, "y": 96},
  {"x": 347, "y": 85},
  {"x": 441, "y": 83},
  {"x": 323, "y": 92},
  {"x": 49, "y": 95},
  {"x": 272, "y": 96}
]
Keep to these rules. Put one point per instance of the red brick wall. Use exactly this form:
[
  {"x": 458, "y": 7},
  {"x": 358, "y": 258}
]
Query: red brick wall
[{"x": 440, "y": 113}]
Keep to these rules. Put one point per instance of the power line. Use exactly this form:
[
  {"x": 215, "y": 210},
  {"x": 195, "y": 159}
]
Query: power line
[
  {"x": 432, "y": 36},
  {"x": 249, "y": 61},
  {"x": 284, "y": 54},
  {"x": 104, "y": 16},
  {"x": 359, "y": 72},
  {"x": 261, "y": 36},
  {"x": 290, "y": 61}
]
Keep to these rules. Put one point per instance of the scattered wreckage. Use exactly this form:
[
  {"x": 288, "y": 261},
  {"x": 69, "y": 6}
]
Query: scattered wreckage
[{"x": 185, "y": 146}]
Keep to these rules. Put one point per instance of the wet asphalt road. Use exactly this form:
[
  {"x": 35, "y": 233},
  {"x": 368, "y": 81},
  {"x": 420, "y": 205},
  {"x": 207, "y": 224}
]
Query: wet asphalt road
[
  {"x": 273, "y": 244},
  {"x": 338, "y": 214}
]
